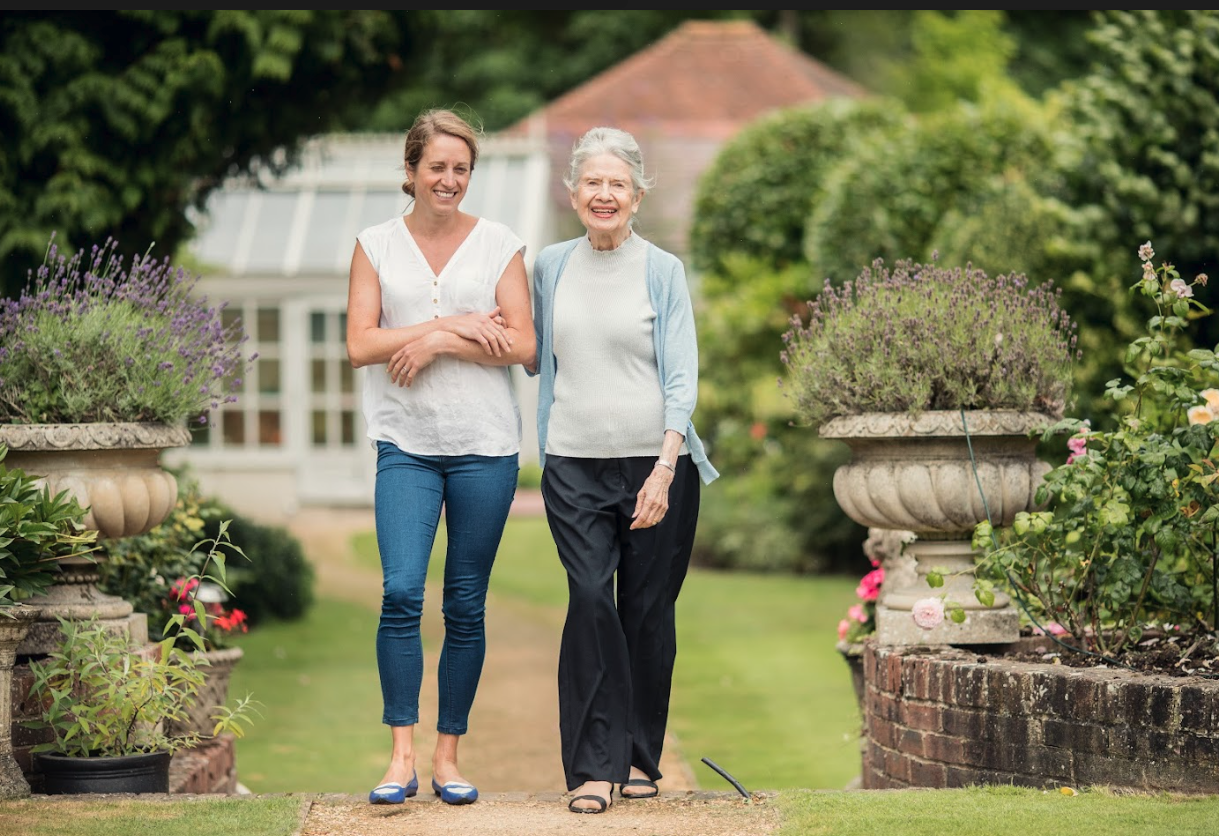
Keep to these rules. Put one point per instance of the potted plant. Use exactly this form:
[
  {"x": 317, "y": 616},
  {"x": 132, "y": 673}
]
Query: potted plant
[
  {"x": 1122, "y": 563},
  {"x": 109, "y": 703},
  {"x": 125, "y": 353},
  {"x": 36, "y": 530},
  {"x": 102, "y": 366},
  {"x": 939, "y": 380}
]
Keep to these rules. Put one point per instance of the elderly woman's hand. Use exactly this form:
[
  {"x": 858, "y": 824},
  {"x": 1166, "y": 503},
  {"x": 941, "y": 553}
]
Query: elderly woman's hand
[{"x": 652, "y": 503}]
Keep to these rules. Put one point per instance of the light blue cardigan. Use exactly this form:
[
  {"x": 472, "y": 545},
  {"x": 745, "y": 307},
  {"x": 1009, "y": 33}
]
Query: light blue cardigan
[{"x": 673, "y": 335}]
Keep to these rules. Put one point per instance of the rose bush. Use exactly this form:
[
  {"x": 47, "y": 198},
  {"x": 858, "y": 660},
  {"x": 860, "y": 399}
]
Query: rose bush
[{"x": 1128, "y": 541}]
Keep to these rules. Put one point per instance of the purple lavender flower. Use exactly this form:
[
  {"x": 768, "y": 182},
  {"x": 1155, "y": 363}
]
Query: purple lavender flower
[{"x": 93, "y": 339}]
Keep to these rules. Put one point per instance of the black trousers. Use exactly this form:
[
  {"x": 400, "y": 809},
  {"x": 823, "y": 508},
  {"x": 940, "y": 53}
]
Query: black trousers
[{"x": 619, "y": 641}]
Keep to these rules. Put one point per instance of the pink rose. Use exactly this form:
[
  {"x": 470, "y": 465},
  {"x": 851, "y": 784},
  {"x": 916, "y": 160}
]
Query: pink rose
[
  {"x": 1078, "y": 445},
  {"x": 928, "y": 612},
  {"x": 856, "y": 612},
  {"x": 843, "y": 626},
  {"x": 1053, "y": 628}
]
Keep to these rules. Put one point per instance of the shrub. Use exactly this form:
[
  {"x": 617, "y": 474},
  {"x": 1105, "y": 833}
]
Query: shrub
[
  {"x": 755, "y": 197},
  {"x": 278, "y": 581}
]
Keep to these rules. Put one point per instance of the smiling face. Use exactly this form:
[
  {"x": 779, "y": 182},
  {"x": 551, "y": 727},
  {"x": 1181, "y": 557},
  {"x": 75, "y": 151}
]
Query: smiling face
[
  {"x": 605, "y": 199},
  {"x": 442, "y": 174}
]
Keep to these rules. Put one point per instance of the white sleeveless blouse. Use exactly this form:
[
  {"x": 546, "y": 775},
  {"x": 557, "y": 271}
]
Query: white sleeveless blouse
[{"x": 453, "y": 407}]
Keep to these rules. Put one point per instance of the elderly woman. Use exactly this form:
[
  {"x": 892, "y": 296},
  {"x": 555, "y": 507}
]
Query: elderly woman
[{"x": 617, "y": 360}]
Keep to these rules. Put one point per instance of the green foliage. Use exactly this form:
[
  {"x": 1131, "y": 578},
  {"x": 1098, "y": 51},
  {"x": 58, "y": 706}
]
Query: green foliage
[
  {"x": 1129, "y": 539},
  {"x": 925, "y": 337},
  {"x": 755, "y": 197},
  {"x": 153, "y": 571},
  {"x": 91, "y": 340},
  {"x": 889, "y": 199},
  {"x": 116, "y": 123},
  {"x": 103, "y": 694},
  {"x": 36, "y": 530},
  {"x": 141, "y": 568},
  {"x": 278, "y": 581},
  {"x": 1145, "y": 140},
  {"x": 959, "y": 56}
]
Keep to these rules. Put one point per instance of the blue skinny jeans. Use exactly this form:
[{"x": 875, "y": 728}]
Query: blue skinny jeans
[{"x": 476, "y": 493}]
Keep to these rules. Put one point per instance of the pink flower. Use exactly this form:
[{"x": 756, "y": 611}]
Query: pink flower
[
  {"x": 928, "y": 612},
  {"x": 1053, "y": 628},
  {"x": 1179, "y": 287},
  {"x": 1078, "y": 445},
  {"x": 856, "y": 612},
  {"x": 843, "y": 627},
  {"x": 869, "y": 586}
]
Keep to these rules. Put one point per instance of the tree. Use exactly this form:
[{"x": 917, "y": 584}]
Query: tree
[{"x": 116, "y": 123}]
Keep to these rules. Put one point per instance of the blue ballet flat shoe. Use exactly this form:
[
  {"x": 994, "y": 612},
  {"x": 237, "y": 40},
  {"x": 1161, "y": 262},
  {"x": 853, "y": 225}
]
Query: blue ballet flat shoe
[
  {"x": 455, "y": 792},
  {"x": 393, "y": 793}
]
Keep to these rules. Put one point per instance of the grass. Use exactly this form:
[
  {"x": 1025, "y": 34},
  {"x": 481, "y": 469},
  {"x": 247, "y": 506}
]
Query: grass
[
  {"x": 264, "y": 816},
  {"x": 759, "y": 688},
  {"x": 995, "y": 811}
]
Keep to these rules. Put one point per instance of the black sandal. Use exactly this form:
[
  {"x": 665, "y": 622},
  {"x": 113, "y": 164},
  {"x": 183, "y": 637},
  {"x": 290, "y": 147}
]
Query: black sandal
[
  {"x": 600, "y": 799},
  {"x": 639, "y": 782}
]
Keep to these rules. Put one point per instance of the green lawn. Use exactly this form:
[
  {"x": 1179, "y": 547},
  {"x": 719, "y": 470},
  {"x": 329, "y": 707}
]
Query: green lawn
[{"x": 759, "y": 688}]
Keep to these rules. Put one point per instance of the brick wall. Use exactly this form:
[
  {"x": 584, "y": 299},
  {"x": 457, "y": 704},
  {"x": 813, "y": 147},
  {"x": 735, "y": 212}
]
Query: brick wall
[{"x": 948, "y": 717}]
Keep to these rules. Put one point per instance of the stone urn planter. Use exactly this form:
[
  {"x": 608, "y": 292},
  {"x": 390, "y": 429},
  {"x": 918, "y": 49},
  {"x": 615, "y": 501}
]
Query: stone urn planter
[
  {"x": 114, "y": 471},
  {"x": 931, "y": 475}
]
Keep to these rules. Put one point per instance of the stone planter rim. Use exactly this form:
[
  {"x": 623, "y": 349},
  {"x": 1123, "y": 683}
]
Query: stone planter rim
[
  {"x": 117, "y": 435},
  {"x": 936, "y": 422}
]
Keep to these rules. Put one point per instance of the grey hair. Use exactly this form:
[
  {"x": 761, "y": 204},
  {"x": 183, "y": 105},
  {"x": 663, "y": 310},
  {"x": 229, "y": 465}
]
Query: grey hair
[{"x": 607, "y": 141}]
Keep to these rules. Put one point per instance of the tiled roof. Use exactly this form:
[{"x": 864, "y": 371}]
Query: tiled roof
[{"x": 705, "y": 79}]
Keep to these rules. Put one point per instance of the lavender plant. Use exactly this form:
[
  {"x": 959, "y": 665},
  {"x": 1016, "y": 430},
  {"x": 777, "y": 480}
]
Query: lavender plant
[
  {"x": 925, "y": 337},
  {"x": 93, "y": 340}
]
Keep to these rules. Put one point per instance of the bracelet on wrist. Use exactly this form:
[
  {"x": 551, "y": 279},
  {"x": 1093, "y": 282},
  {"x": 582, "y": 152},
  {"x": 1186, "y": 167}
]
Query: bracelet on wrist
[{"x": 669, "y": 465}]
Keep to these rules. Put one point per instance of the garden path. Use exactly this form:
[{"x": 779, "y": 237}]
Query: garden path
[{"x": 513, "y": 747}]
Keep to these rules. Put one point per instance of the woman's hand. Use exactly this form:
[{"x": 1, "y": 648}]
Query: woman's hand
[
  {"x": 413, "y": 357},
  {"x": 652, "y": 503},
  {"x": 488, "y": 330}
]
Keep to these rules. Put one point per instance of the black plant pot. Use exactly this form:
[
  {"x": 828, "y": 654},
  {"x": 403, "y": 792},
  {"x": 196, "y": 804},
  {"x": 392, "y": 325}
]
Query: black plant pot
[{"x": 64, "y": 775}]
